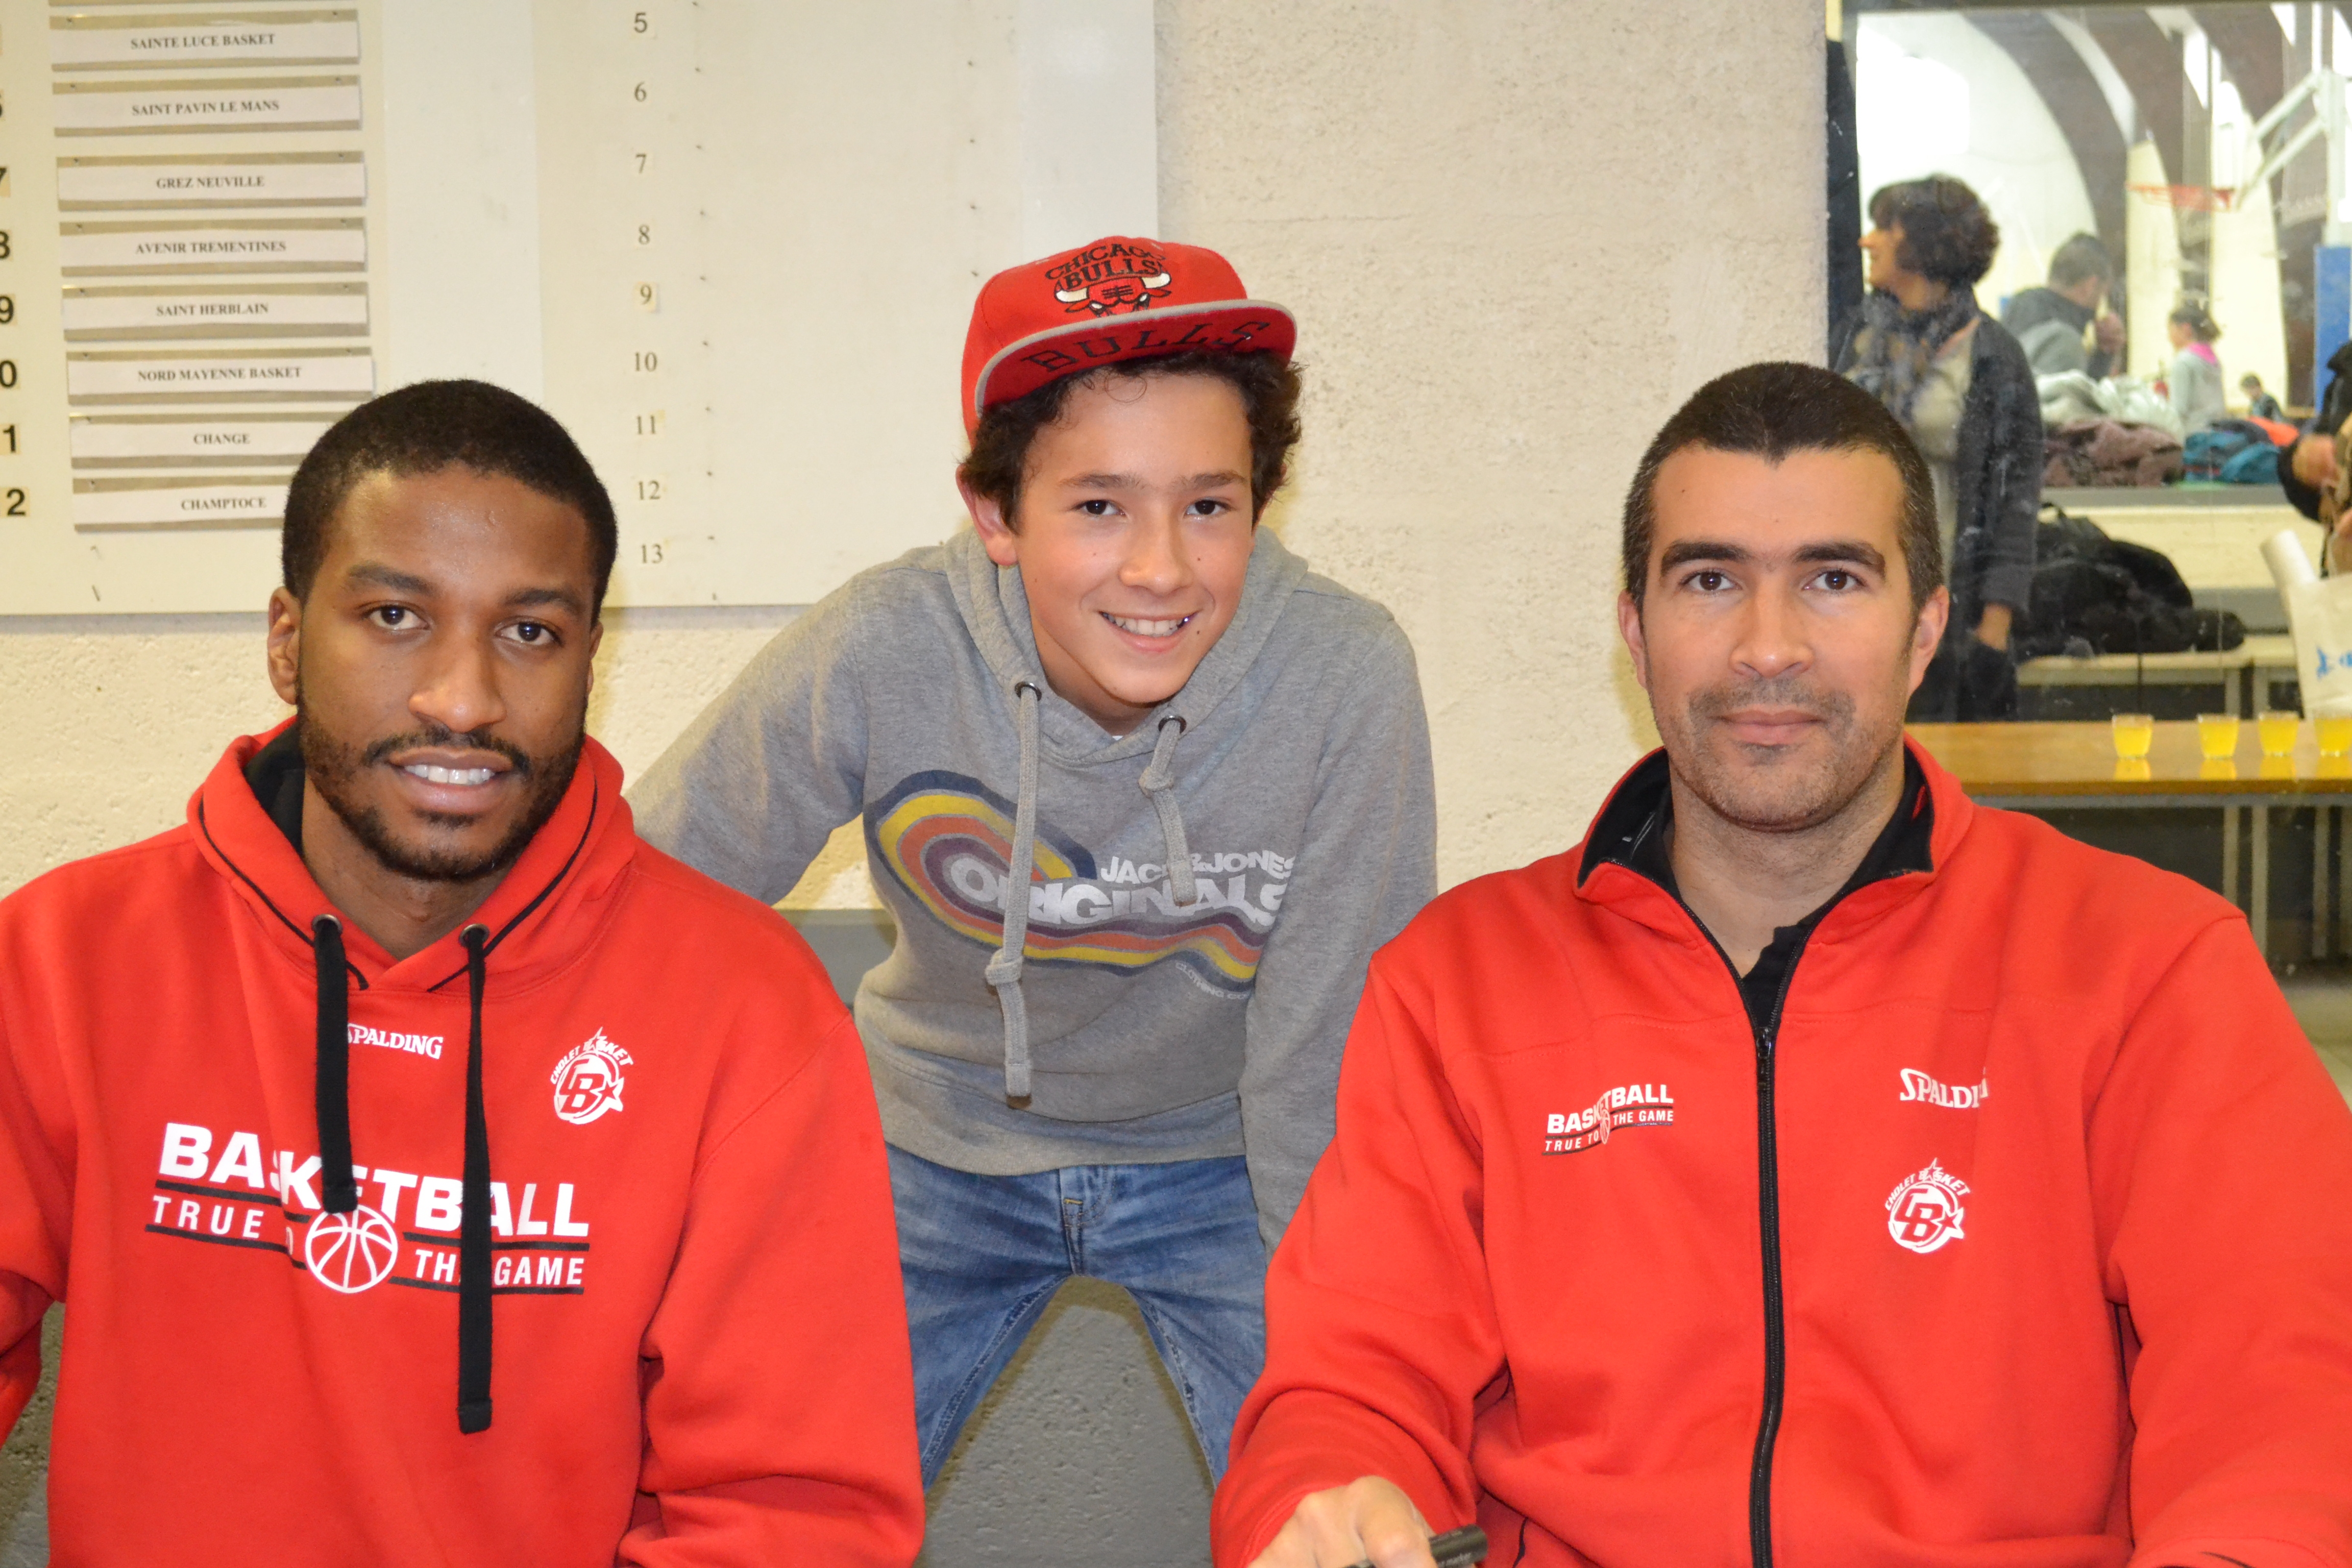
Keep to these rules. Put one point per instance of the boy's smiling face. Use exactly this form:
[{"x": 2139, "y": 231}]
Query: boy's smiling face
[{"x": 1133, "y": 536}]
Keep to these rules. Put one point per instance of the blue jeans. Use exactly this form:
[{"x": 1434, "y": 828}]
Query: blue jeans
[{"x": 984, "y": 1255}]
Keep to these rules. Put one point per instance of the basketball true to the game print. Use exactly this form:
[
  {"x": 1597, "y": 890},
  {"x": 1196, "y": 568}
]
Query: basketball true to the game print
[{"x": 228, "y": 1191}]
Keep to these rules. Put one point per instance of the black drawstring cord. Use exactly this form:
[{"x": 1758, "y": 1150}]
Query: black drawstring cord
[
  {"x": 341, "y": 1192},
  {"x": 474, "y": 1223}
]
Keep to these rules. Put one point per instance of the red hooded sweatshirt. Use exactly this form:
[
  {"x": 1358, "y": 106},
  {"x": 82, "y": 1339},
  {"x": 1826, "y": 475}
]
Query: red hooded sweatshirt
[
  {"x": 700, "y": 1337},
  {"x": 2019, "y": 1232}
]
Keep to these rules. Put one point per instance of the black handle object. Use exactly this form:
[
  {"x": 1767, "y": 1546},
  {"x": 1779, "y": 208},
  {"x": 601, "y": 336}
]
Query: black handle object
[{"x": 1462, "y": 1548}]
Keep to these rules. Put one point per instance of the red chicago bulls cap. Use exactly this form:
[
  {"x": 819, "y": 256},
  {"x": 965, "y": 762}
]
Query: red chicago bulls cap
[{"x": 1117, "y": 299}]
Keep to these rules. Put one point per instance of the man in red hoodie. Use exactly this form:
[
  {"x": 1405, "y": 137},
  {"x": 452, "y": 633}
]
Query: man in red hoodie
[
  {"x": 1810, "y": 1166},
  {"x": 404, "y": 1046}
]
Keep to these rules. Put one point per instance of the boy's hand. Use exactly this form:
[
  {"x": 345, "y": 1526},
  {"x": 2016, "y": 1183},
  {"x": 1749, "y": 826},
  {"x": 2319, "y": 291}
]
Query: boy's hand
[{"x": 1369, "y": 1521}]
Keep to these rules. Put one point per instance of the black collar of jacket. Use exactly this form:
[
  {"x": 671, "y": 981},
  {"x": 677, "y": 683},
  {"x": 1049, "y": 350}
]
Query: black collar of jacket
[
  {"x": 275, "y": 773},
  {"x": 1632, "y": 830}
]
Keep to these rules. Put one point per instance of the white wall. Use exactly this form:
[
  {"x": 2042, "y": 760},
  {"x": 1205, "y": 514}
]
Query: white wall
[
  {"x": 2152, "y": 265},
  {"x": 2244, "y": 269},
  {"x": 1515, "y": 235},
  {"x": 115, "y": 720}
]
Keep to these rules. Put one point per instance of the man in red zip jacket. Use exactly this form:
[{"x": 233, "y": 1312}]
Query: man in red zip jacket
[
  {"x": 1810, "y": 1166},
  {"x": 435, "y": 1173}
]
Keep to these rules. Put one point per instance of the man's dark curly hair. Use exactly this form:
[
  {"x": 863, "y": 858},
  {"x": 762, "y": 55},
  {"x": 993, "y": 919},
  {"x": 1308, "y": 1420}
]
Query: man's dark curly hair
[
  {"x": 424, "y": 428},
  {"x": 1268, "y": 384},
  {"x": 1947, "y": 234}
]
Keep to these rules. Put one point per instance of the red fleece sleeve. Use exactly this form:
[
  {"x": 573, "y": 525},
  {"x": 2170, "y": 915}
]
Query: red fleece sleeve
[
  {"x": 1380, "y": 1329},
  {"x": 2222, "y": 1169},
  {"x": 36, "y": 1212},
  {"x": 780, "y": 1419}
]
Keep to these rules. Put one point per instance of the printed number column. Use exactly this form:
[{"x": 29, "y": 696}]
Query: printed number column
[
  {"x": 13, "y": 502},
  {"x": 647, "y": 489}
]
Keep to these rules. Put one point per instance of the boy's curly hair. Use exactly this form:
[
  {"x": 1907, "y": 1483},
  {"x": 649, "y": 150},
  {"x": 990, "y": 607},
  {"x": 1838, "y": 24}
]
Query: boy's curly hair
[{"x": 1268, "y": 385}]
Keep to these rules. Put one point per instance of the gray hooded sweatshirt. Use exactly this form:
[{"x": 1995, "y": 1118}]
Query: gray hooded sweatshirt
[{"x": 1204, "y": 892}]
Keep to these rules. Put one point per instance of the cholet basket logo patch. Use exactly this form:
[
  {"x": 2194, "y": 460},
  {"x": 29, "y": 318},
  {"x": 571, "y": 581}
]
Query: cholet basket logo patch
[
  {"x": 589, "y": 1080},
  {"x": 1925, "y": 1211}
]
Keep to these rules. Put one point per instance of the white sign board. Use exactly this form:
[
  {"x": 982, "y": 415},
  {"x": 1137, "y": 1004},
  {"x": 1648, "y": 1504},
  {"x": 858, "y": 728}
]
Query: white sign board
[{"x": 733, "y": 248}]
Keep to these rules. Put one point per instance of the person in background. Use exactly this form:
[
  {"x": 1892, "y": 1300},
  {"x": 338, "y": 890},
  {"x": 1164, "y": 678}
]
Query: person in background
[
  {"x": 1202, "y": 770},
  {"x": 2259, "y": 404},
  {"x": 2049, "y": 322},
  {"x": 2194, "y": 381},
  {"x": 1960, "y": 385},
  {"x": 2308, "y": 468}
]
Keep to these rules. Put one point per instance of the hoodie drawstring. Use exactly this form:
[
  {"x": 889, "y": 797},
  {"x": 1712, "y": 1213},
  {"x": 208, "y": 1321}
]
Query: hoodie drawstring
[
  {"x": 1003, "y": 971},
  {"x": 340, "y": 1193},
  {"x": 474, "y": 1215},
  {"x": 1159, "y": 784}
]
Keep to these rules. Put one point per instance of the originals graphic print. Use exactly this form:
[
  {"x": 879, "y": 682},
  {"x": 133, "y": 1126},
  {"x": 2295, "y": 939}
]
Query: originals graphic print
[{"x": 948, "y": 840}]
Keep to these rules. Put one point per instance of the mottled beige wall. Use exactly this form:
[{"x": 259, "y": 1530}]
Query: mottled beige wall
[
  {"x": 111, "y": 723},
  {"x": 1515, "y": 235}
]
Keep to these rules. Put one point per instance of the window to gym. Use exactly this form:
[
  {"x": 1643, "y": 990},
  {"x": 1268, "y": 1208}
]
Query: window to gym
[{"x": 2151, "y": 209}]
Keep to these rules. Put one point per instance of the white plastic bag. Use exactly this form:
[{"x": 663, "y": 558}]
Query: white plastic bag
[
  {"x": 2067, "y": 396},
  {"x": 2133, "y": 401},
  {"x": 2070, "y": 395},
  {"x": 2319, "y": 613}
]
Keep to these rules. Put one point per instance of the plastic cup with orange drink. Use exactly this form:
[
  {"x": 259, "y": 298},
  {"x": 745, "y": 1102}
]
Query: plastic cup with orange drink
[
  {"x": 2335, "y": 733},
  {"x": 2134, "y": 733},
  {"x": 2217, "y": 735},
  {"x": 2277, "y": 730}
]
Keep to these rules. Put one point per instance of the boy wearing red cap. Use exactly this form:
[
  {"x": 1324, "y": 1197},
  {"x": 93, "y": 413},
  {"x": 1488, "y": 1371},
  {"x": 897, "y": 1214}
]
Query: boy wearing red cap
[{"x": 1207, "y": 768}]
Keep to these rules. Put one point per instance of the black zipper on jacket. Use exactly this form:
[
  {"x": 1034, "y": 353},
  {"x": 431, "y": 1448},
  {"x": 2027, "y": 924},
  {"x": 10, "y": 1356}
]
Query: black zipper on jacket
[
  {"x": 1768, "y": 1217},
  {"x": 1629, "y": 829},
  {"x": 1766, "y": 1034}
]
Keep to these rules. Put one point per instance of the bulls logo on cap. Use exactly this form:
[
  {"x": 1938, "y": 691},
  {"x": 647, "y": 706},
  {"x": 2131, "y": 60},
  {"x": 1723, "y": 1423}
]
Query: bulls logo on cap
[
  {"x": 1043, "y": 320},
  {"x": 1111, "y": 278}
]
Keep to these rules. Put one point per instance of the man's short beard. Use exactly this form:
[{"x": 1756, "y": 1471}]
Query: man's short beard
[
  {"x": 332, "y": 766},
  {"x": 1785, "y": 802}
]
